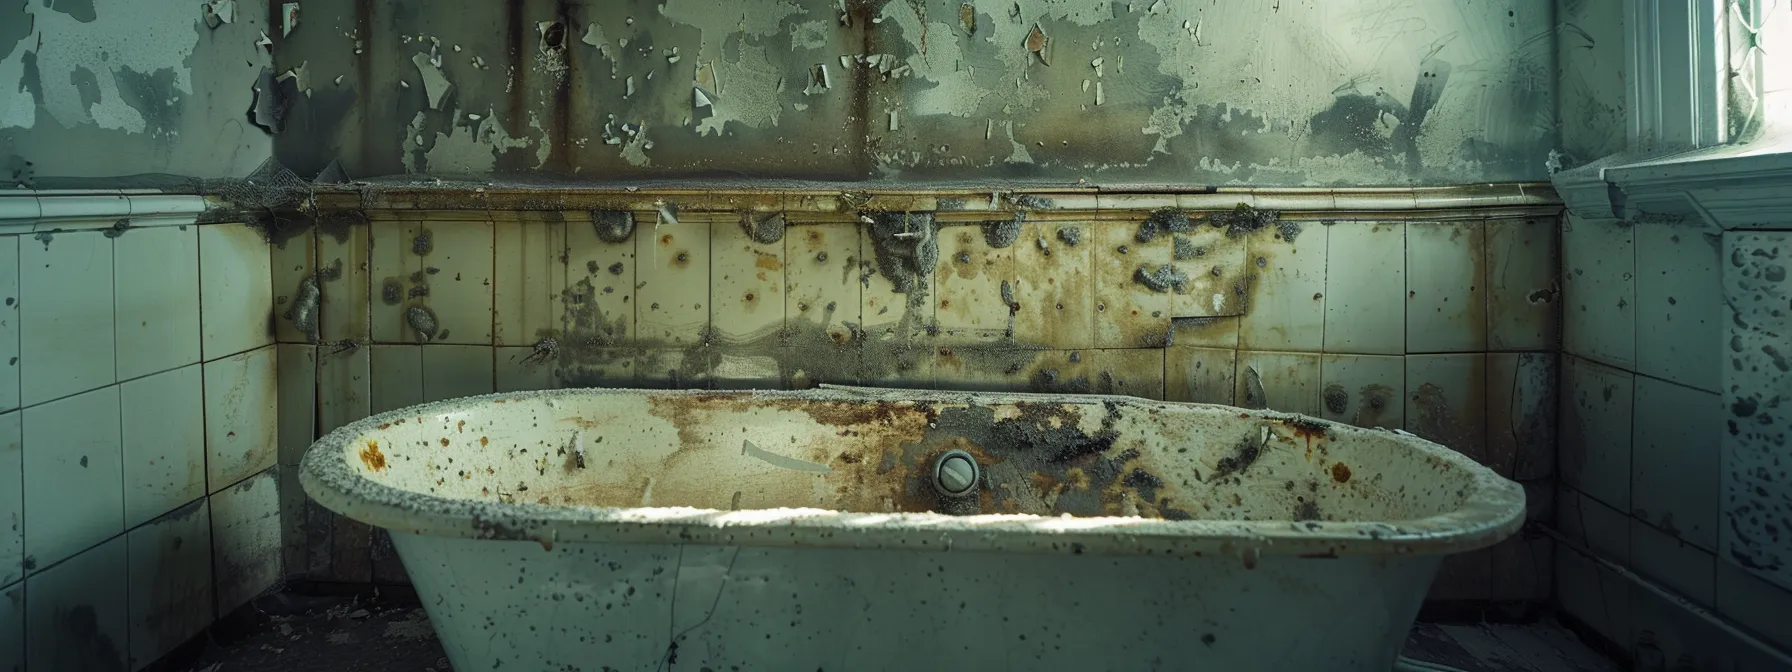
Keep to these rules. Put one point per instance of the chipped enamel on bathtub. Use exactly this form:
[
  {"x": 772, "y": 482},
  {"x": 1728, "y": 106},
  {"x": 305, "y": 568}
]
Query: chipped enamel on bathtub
[{"x": 641, "y": 530}]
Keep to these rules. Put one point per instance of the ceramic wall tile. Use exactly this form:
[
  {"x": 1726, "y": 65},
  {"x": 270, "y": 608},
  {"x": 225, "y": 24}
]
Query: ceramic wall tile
[
  {"x": 12, "y": 499},
  {"x": 1133, "y": 285},
  {"x": 453, "y": 371},
  {"x": 12, "y": 627},
  {"x": 1055, "y": 285},
  {"x": 598, "y": 306},
  {"x": 672, "y": 284},
  {"x": 246, "y": 539},
  {"x": 345, "y": 263},
  {"x": 1756, "y": 604},
  {"x": 343, "y": 382},
  {"x": 1200, "y": 375},
  {"x": 1523, "y": 568},
  {"x": 440, "y": 267},
  {"x": 294, "y": 259},
  {"x": 1283, "y": 381},
  {"x": 1446, "y": 401},
  {"x": 1061, "y": 371},
  {"x": 900, "y": 364},
  {"x": 1677, "y": 285},
  {"x": 397, "y": 373},
  {"x": 236, "y": 290},
  {"x": 1206, "y": 332},
  {"x": 1599, "y": 291},
  {"x": 522, "y": 368},
  {"x": 1666, "y": 628},
  {"x": 296, "y": 400},
  {"x": 747, "y": 280},
  {"x": 1365, "y": 287},
  {"x": 1446, "y": 286},
  {"x": 1682, "y": 567},
  {"x": 65, "y": 314},
  {"x": 974, "y": 286},
  {"x": 744, "y": 370},
  {"x": 170, "y": 582},
  {"x": 9, "y": 323},
  {"x": 1286, "y": 300},
  {"x": 1595, "y": 445},
  {"x": 1674, "y": 462},
  {"x": 1756, "y": 490},
  {"x": 821, "y": 283},
  {"x": 78, "y": 614},
  {"x": 156, "y": 289},
  {"x": 664, "y": 369},
  {"x": 1583, "y": 519},
  {"x": 1363, "y": 390},
  {"x": 242, "y": 407},
  {"x": 1130, "y": 372},
  {"x": 1593, "y": 595},
  {"x": 987, "y": 369},
  {"x": 1522, "y": 406},
  {"x": 529, "y": 273},
  {"x": 74, "y": 485},
  {"x": 296, "y": 533},
  {"x": 162, "y": 419},
  {"x": 1214, "y": 263},
  {"x": 1523, "y": 290},
  {"x": 891, "y": 315}
]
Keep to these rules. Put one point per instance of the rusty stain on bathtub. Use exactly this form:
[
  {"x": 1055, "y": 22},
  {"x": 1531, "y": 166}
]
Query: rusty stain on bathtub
[{"x": 372, "y": 457}]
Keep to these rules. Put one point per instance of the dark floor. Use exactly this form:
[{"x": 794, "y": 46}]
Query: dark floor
[{"x": 292, "y": 633}]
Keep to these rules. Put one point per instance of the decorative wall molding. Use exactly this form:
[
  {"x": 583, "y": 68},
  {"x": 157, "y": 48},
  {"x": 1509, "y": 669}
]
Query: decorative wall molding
[
  {"x": 1728, "y": 187},
  {"x": 1677, "y": 65},
  {"x": 28, "y": 211}
]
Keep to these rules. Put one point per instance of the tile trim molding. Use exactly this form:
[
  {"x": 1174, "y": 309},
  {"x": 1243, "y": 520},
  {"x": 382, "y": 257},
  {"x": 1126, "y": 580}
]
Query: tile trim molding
[{"x": 74, "y": 210}]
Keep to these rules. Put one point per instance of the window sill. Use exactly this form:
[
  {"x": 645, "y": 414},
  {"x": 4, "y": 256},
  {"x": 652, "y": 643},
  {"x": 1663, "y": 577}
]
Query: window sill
[{"x": 1737, "y": 186}]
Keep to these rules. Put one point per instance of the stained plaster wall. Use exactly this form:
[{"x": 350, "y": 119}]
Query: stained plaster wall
[
  {"x": 127, "y": 93},
  {"x": 1256, "y": 92}
]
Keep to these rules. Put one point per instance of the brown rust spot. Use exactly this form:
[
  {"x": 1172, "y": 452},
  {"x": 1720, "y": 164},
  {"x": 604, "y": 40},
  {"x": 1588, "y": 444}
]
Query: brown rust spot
[
  {"x": 1340, "y": 473},
  {"x": 460, "y": 426},
  {"x": 387, "y": 425},
  {"x": 372, "y": 457},
  {"x": 483, "y": 441},
  {"x": 767, "y": 261},
  {"x": 444, "y": 442}
]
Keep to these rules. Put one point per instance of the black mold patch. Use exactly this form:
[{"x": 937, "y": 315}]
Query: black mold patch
[
  {"x": 906, "y": 247},
  {"x": 613, "y": 226},
  {"x": 1186, "y": 249},
  {"x": 1288, "y": 229},
  {"x": 1245, "y": 219},
  {"x": 1165, "y": 279},
  {"x": 153, "y": 95},
  {"x": 1070, "y": 235},
  {"x": 1002, "y": 232},
  {"x": 391, "y": 292},
  {"x": 423, "y": 244},
  {"x": 1336, "y": 399},
  {"x": 1030, "y": 201},
  {"x": 1244, "y": 454},
  {"x": 763, "y": 230},
  {"x": 423, "y": 320},
  {"x": 1161, "y": 222}
]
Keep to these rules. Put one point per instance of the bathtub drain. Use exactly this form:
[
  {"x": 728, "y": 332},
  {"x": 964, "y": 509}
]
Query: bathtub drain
[{"x": 955, "y": 473}]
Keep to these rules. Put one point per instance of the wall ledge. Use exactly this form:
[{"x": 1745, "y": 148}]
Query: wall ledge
[
  {"x": 36, "y": 211},
  {"x": 1736, "y": 186}
]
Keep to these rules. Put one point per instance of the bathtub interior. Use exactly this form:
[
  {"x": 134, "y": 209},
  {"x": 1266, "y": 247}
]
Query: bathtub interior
[{"x": 875, "y": 453}]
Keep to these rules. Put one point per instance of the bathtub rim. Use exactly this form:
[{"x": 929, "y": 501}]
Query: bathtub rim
[{"x": 1493, "y": 511}]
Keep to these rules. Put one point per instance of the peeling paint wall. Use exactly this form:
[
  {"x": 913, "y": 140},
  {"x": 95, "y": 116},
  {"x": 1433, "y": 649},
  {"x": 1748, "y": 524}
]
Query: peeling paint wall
[
  {"x": 111, "y": 93},
  {"x": 1258, "y": 92},
  {"x": 1590, "y": 49}
]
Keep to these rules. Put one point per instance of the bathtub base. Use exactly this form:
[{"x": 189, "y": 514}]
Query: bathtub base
[{"x": 593, "y": 606}]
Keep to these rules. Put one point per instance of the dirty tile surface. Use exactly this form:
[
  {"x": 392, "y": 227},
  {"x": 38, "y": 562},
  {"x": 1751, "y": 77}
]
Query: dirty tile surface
[
  {"x": 1446, "y": 287},
  {"x": 1523, "y": 284},
  {"x": 73, "y": 490},
  {"x": 246, "y": 539},
  {"x": 529, "y": 273},
  {"x": 1599, "y": 290},
  {"x": 12, "y": 498},
  {"x": 236, "y": 292},
  {"x": 163, "y": 424},
  {"x": 156, "y": 277},
  {"x": 1365, "y": 287},
  {"x": 241, "y": 416},
  {"x": 170, "y": 582},
  {"x": 66, "y": 319},
  {"x": 9, "y": 324},
  {"x": 1132, "y": 289},
  {"x": 77, "y": 612},
  {"x": 1677, "y": 315},
  {"x": 1757, "y": 290},
  {"x": 1287, "y": 302}
]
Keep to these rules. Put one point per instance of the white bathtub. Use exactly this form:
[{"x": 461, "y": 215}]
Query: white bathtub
[{"x": 641, "y": 530}]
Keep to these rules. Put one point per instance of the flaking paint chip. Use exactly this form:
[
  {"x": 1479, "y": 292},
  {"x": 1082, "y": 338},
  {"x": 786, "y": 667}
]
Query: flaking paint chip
[{"x": 1038, "y": 44}]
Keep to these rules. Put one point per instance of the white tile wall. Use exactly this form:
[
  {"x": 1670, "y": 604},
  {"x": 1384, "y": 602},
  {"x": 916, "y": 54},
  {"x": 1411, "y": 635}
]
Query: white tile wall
[
  {"x": 65, "y": 315},
  {"x": 235, "y": 290},
  {"x": 1287, "y": 309},
  {"x": 1446, "y": 287},
  {"x": 9, "y": 323},
  {"x": 1288, "y": 381},
  {"x": 77, "y": 612},
  {"x": 753, "y": 274},
  {"x": 400, "y": 382},
  {"x": 73, "y": 497},
  {"x": 246, "y": 539},
  {"x": 1674, "y": 462},
  {"x": 170, "y": 582},
  {"x": 241, "y": 416},
  {"x": 1524, "y": 295},
  {"x": 12, "y": 498},
  {"x": 1675, "y": 564},
  {"x": 1363, "y": 390},
  {"x": 156, "y": 281},
  {"x": 1365, "y": 288},
  {"x": 1677, "y": 283},
  {"x": 297, "y": 405},
  {"x": 163, "y": 422},
  {"x": 1595, "y": 444},
  {"x": 1200, "y": 375},
  {"x": 451, "y": 371},
  {"x": 12, "y": 628},
  {"x": 672, "y": 283},
  {"x": 1599, "y": 291}
]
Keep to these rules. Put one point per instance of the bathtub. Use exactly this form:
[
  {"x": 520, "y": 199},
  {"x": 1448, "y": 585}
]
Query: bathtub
[{"x": 854, "y": 529}]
